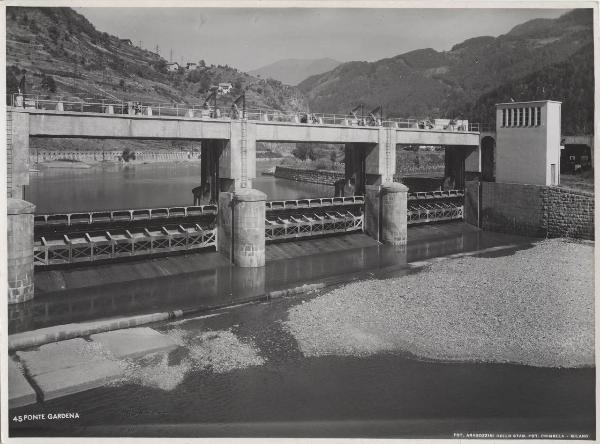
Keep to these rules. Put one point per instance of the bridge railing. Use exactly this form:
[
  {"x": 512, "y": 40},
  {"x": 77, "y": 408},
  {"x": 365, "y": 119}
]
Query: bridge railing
[
  {"x": 319, "y": 202},
  {"x": 428, "y": 195},
  {"x": 196, "y": 111},
  {"x": 133, "y": 215},
  {"x": 481, "y": 127}
]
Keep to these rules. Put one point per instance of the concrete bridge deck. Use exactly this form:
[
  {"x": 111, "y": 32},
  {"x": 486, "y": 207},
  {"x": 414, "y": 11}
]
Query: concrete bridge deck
[{"x": 48, "y": 123}]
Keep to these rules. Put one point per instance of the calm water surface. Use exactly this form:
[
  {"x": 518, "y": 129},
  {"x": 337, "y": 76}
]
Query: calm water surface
[
  {"x": 152, "y": 185},
  {"x": 384, "y": 395}
]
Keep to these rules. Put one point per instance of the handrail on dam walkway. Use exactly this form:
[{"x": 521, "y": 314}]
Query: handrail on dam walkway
[
  {"x": 201, "y": 112},
  {"x": 314, "y": 203},
  {"x": 285, "y": 220},
  {"x": 92, "y": 217}
]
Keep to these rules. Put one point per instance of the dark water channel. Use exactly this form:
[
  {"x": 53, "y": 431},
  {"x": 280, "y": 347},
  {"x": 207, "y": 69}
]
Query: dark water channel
[{"x": 384, "y": 395}]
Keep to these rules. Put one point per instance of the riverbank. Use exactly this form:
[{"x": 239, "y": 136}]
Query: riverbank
[
  {"x": 324, "y": 177},
  {"x": 535, "y": 307},
  {"x": 77, "y": 165},
  {"x": 88, "y": 163}
]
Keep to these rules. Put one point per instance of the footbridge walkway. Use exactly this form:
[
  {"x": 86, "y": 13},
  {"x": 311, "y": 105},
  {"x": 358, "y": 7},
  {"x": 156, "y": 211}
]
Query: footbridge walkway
[{"x": 231, "y": 136}]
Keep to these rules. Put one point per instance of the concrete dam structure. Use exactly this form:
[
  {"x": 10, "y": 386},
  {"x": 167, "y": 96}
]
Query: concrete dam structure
[{"x": 244, "y": 219}]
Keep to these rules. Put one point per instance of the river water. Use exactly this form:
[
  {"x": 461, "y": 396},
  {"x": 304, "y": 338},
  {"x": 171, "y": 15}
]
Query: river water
[
  {"x": 115, "y": 186},
  {"x": 384, "y": 395}
]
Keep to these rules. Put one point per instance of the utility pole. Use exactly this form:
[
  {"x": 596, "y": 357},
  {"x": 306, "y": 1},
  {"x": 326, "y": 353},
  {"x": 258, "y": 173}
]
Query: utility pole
[
  {"x": 171, "y": 56},
  {"x": 141, "y": 44},
  {"x": 157, "y": 50}
]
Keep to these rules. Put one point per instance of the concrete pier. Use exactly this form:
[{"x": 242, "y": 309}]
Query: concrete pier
[
  {"x": 20, "y": 250},
  {"x": 373, "y": 211},
  {"x": 393, "y": 213},
  {"x": 241, "y": 227},
  {"x": 249, "y": 228}
]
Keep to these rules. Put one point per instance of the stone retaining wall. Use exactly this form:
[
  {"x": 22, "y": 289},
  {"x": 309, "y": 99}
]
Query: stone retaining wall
[
  {"x": 305, "y": 175},
  {"x": 532, "y": 210},
  {"x": 570, "y": 213},
  {"x": 513, "y": 208}
]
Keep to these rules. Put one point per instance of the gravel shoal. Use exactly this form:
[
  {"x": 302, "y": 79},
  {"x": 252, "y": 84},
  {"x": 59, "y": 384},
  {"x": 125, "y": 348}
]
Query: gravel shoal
[
  {"x": 215, "y": 351},
  {"x": 535, "y": 307}
]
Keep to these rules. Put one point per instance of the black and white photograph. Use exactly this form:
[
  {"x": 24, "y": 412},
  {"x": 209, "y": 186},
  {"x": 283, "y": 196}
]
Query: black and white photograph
[{"x": 298, "y": 220}]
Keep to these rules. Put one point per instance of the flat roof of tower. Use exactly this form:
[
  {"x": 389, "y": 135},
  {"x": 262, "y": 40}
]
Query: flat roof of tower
[{"x": 532, "y": 101}]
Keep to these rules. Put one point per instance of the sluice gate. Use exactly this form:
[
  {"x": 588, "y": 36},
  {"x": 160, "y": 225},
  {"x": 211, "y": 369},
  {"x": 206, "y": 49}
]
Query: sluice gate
[
  {"x": 435, "y": 206},
  {"x": 69, "y": 238},
  {"x": 114, "y": 244},
  {"x": 291, "y": 219}
]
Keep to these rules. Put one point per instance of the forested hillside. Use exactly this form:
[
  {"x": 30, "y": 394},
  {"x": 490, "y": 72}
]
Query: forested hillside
[
  {"x": 60, "y": 52},
  {"x": 428, "y": 83},
  {"x": 571, "y": 82}
]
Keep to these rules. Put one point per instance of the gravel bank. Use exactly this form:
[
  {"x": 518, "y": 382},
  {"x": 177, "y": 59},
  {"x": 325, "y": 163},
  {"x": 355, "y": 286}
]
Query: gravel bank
[
  {"x": 215, "y": 351},
  {"x": 535, "y": 307}
]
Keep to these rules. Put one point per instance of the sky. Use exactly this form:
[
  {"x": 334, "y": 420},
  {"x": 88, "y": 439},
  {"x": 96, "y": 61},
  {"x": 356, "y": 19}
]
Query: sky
[{"x": 249, "y": 38}]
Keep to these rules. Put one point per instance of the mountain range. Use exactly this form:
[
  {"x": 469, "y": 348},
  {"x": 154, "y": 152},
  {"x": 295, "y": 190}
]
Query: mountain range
[
  {"x": 550, "y": 56},
  {"x": 293, "y": 71},
  {"x": 61, "y": 52}
]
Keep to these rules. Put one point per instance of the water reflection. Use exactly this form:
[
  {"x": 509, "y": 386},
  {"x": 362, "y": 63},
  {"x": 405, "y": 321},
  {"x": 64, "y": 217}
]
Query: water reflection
[
  {"x": 114, "y": 186},
  {"x": 202, "y": 286}
]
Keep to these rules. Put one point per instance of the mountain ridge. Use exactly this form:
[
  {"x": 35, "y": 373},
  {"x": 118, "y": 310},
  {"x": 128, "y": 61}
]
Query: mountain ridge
[
  {"x": 62, "y": 53},
  {"x": 293, "y": 70},
  {"x": 428, "y": 83}
]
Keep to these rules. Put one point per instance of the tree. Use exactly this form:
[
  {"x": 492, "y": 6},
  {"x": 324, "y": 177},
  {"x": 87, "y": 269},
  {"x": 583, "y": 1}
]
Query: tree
[
  {"x": 122, "y": 84},
  {"x": 33, "y": 27},
  {"x": 12, "y": 79},
  {"x": 304, "y": 151},
  {"x": 202, "y": 63},
  {"x": 54, "y": 33},
  {"x": 48, "y": 83},
  {"x": 160, "y": 66},
  {"x": 128, "y": 154}
]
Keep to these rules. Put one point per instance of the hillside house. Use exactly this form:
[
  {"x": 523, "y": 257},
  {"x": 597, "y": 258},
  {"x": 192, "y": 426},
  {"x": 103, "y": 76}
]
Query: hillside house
[
  {"x": 224, "y": 88},
  {"x": 172, "y": 67},
  {"x": 126, "y": 41},
  {"x": 191, "y": 65}
]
